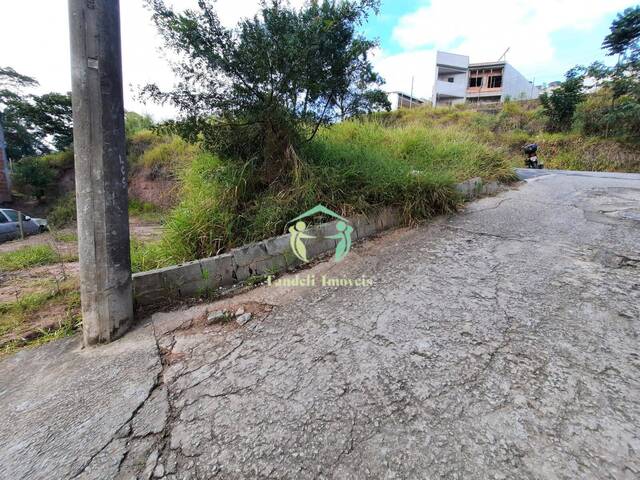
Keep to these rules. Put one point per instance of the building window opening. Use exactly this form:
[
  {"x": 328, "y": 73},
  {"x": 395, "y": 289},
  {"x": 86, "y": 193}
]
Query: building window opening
[
  {"x": 475, "y": 82},
  {"x": 495, "y": 81},
  {"x": 450, "y": 79}
]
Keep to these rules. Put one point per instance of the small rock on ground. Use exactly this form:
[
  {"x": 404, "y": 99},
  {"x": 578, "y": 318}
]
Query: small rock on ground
[{"x": 244, "y": 318}]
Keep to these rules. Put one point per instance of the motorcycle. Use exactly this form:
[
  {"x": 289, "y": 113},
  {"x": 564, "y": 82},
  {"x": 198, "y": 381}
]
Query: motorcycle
[{"x": 532, "y": 161}]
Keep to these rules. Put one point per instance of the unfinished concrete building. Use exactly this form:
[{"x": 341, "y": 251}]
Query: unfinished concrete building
[
  {"x": 404, "y": 100},
  {"x": 458, "y": 81}
]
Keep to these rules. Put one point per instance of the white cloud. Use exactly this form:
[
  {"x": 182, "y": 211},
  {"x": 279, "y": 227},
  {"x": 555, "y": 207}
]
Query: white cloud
[
  {"x": 42, "y": 49},
  {"x": 397, "y": 71},
  {"x": 484, "y": 30},
  {"x": 478, "y": 29}
]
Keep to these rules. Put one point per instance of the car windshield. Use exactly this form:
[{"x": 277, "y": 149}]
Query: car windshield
[{"x": 12, "y": 214}]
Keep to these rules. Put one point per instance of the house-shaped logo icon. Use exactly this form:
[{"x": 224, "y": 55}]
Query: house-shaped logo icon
[{"x": 298, "y": 231}]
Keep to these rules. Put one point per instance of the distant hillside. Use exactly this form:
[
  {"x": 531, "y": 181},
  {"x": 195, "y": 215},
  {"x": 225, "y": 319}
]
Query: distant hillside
[{"x": 516, "y": 123}]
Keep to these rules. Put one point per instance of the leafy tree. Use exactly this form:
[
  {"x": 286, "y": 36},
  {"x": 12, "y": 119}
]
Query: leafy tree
[
  {"x": 134, "y": 122},
  {"x": 259, "y": 90},
  {"x": 33, "y": 176},
  {"x": 620, "y": 84},
  {"x": 33, "y": 124},
  {"x": 9, "y": 78},
  {"x": 624, "y": 38},
  {"x": 624, "y": 41},
  {"x": 20, "y": 141},
  {"x": 560, "y": 105},
  {"x": 359, "y": 101}
]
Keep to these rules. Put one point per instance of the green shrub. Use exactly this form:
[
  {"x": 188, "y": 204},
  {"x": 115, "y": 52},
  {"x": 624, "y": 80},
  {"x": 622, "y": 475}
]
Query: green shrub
[
  {"x": 134, "y": 123},
  {"x": 63, "y": 212},
  {"x": 141, "y": 141},
  {"x": 59, "y": 160},
  {"x": 600, "y": 115},
  {"x": 33, "y": 176},
  {"x": 560, "y": 105}
]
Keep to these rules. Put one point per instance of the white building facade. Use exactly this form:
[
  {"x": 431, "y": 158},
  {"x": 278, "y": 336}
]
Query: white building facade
[
  {"x": 404, "y": 100},
  {"x": 458, "y": 81}
]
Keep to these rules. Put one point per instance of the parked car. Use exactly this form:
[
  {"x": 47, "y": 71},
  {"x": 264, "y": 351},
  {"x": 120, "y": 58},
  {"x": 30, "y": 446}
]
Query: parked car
[
  {"x": 10, "y": 228},
  {"x": 42, "y": 223}
]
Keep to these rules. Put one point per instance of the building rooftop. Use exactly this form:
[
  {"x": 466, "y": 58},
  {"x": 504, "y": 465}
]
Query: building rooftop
[{"x": 487, "y": 64}]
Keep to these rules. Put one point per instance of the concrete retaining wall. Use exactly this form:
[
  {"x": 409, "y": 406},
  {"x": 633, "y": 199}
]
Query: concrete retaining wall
[{"x": 207, "y": 275}]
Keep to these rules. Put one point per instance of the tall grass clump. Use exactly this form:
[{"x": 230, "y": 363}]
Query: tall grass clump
[
  {"x": 204, "y": 222},
  {"x": 26, "y": 257},
  {"x": 449, "y": 152},
  {"x": 171, "y": 153},
  {"x": 353, "y": 167},
  {"x": 139, "y": 142},
  {"x": 63, "y": 211}
]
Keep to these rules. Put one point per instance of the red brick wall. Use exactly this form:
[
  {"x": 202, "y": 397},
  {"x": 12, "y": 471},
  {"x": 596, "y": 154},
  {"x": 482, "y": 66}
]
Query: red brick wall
[{"x": 5, "y": 194}]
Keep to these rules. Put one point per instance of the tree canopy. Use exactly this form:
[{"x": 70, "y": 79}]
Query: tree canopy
[
  {"x": 33, "y": 124},
  {"x": 258, "y": 90},
  {"x": 613, "y": 106},
  {"x": 560, "y": 105},
  {"x": 625, "y": 33}
]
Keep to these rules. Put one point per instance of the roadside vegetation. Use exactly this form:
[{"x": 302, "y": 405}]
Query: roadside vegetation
[
  {"x": 38, "y": 317},
  {"x": 519, "y": 123},
  {"x": 248, "y": 153},
  {"x": 31, "y": 256},
  {"x": 353, "y": 167}
]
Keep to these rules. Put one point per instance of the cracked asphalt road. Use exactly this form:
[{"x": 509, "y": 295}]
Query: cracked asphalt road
[{"x": 498, "y": 343}]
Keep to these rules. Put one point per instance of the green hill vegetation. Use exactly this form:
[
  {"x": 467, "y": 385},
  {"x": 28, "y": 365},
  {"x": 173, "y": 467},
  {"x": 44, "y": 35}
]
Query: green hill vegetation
[{"x": 408, "y": 159}]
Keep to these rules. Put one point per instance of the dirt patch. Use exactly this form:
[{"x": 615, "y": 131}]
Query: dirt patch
[
  {"x": 29, "y": 323},
  {"x": 64, "y": 248},
  {"x": 141, "y": 230},
  {"x": 153, "y": 186},
  {"x": 144, "y": 231},
  {"x": 13, "y": 285}
]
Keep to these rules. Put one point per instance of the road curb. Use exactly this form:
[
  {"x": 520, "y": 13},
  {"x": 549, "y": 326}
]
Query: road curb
[{"x": 270, "y": 256}]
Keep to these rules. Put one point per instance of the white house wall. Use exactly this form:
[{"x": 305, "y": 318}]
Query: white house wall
[{"x": 515, "y": 86}]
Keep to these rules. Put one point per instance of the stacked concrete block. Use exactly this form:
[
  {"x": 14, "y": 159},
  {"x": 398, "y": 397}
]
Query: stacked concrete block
[
  {"x": 197, "y": 278},
  {"x": 267, "y": 257}
]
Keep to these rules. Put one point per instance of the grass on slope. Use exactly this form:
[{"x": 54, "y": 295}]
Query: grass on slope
[
  {"x": 353, "y": 167},
  {"x": 519, "y": 123}
]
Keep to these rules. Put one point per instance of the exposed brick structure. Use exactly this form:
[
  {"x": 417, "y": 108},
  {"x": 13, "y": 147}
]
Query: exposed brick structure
[
  {"x": 5, "y": 195},
  {"x": 5, "y": 188}
]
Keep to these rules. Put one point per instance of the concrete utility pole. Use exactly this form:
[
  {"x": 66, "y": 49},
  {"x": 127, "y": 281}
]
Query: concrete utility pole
[{"x": 101, "y": 169}]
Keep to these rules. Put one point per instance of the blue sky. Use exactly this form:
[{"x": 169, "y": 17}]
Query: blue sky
[{"x": 547, "y": 37}]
